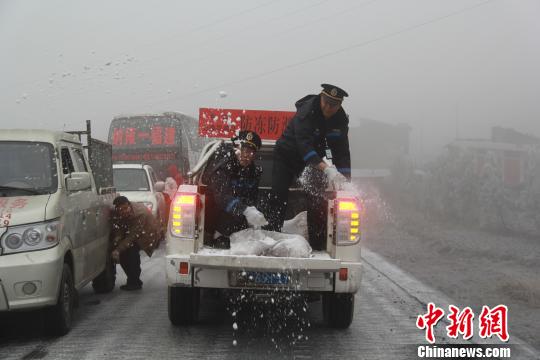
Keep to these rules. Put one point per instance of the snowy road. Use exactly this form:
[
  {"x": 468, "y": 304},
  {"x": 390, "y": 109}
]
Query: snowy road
[{"x": 134, "y": 325}]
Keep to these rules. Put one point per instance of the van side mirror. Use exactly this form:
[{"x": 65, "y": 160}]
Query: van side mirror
[
  {"x": 78, "y": 181},
  {"x": 159, "y": 186}
]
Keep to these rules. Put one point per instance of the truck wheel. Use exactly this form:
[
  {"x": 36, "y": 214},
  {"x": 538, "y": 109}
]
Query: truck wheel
[
  {"x": 59, "y": 318},
  {"x": 104, "y": 282},
  {"x": 183, "y": 305},
  {"x": 338, "y": 310}
]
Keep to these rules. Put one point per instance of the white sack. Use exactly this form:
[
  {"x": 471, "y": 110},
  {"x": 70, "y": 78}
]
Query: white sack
[
  {"x": 250, "y": 242},
  {"x": 296, "y": 225},
  {"x": 294, "y": 246},
  {"x": 269, "y": 243}
]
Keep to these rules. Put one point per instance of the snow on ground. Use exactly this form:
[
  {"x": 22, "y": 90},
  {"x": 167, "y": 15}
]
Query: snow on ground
[{"x": 472, "y": 267}]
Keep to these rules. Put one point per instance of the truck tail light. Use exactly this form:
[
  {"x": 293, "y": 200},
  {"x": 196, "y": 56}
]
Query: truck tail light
[
  {"x": 183, "y": 215},
  {"x": 184, "y": 268},
  {"x": 347, "y": 221},
  {"x": 343, "y": 274}
]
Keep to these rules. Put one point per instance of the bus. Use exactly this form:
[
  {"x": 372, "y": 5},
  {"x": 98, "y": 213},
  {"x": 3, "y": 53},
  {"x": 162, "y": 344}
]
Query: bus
[{"x": 168, "y": 142}]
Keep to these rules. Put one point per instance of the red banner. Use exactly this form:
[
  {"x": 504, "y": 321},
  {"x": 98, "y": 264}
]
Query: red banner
[{"x": 223, "y": 123}]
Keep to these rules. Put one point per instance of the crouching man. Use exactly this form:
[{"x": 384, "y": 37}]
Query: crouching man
[
  {"x": 232, "y": 180},
  {"x": 134, "y": 229}
]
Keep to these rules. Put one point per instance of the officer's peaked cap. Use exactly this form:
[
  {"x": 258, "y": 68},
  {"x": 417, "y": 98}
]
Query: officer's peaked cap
[
  {"x": 334, "y": 92},
  {"x": 249, "y": 138}
]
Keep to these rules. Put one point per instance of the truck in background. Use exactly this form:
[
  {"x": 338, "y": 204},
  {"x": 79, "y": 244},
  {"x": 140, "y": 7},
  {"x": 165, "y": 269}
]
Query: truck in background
[
  {"x": 168, "y": 142},
  {"x": 55, "y": 210}
]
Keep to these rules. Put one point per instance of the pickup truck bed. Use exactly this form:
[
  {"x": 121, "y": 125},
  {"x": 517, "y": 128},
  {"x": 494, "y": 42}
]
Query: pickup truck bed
[{"x": 334, "y": 272}]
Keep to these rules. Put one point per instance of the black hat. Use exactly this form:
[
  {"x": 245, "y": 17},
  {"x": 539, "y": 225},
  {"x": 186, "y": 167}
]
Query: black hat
[
  {"x": 249, "y": 138},
  {"x": 120, "y": 200},
  {"x": 334, "y": 92}
]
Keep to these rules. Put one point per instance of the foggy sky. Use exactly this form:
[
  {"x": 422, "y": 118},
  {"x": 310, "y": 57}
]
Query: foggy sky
[{"x": 444, "y": 67}]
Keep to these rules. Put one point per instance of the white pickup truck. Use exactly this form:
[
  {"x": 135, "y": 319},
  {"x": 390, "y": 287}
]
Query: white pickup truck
[
  {"x": 334, "y": 273},
  {"x": 54, "y": 221}
]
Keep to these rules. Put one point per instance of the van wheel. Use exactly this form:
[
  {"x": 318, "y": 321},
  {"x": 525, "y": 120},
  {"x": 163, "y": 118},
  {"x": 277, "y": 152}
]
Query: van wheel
[
  {"x": 183, "y": 305},
  {"x": 338, "y": 310},
  {"x": 104, "y": 282},
  {"x": 59, "y": 318}
]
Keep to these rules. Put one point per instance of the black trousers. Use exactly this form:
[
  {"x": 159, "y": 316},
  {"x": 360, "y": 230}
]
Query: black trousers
[
  {"x": 130, "y": 260},
  {"x": 284, "y": 172}
]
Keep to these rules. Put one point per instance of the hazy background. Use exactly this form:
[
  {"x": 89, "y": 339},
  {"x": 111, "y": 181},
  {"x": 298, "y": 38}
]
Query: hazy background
[{"x": 445, "y": 67}]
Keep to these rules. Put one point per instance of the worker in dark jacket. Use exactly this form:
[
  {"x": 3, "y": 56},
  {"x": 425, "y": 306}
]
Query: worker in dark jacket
[
  {"x": 134, "y": 229},
  {"x": 232, "y": 180},
  {"x": 318, "y": 129}
]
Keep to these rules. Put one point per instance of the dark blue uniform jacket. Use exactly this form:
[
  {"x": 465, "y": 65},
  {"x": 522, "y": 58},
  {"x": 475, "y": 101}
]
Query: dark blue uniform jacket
[
  {"x": 231, "y": 186},
  {"x": 308, "y": 134}
]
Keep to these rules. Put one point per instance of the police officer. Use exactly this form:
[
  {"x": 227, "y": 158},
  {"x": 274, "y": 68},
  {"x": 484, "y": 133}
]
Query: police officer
[
  {"x": 232, "y": 180},
  {"x": 318, "y": 129}
]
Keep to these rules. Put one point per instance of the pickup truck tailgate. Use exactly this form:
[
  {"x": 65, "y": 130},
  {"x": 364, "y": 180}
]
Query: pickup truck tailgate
[{"x": 216, "y": 259}]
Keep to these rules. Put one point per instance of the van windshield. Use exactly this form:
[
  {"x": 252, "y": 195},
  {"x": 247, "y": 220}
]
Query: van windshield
[
  {"x": 27, "y": 168},
  {"x": 130, "y": 180}
]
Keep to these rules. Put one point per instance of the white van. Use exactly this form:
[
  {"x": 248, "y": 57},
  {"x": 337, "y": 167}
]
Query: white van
[
  {"x": 54, "y": 222},
  {"x": 139, "y": 183}
]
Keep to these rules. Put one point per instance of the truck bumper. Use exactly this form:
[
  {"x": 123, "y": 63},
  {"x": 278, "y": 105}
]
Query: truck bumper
[
  {"x": 30, "y": 280},
  {"x": 319, "y": 273}
]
